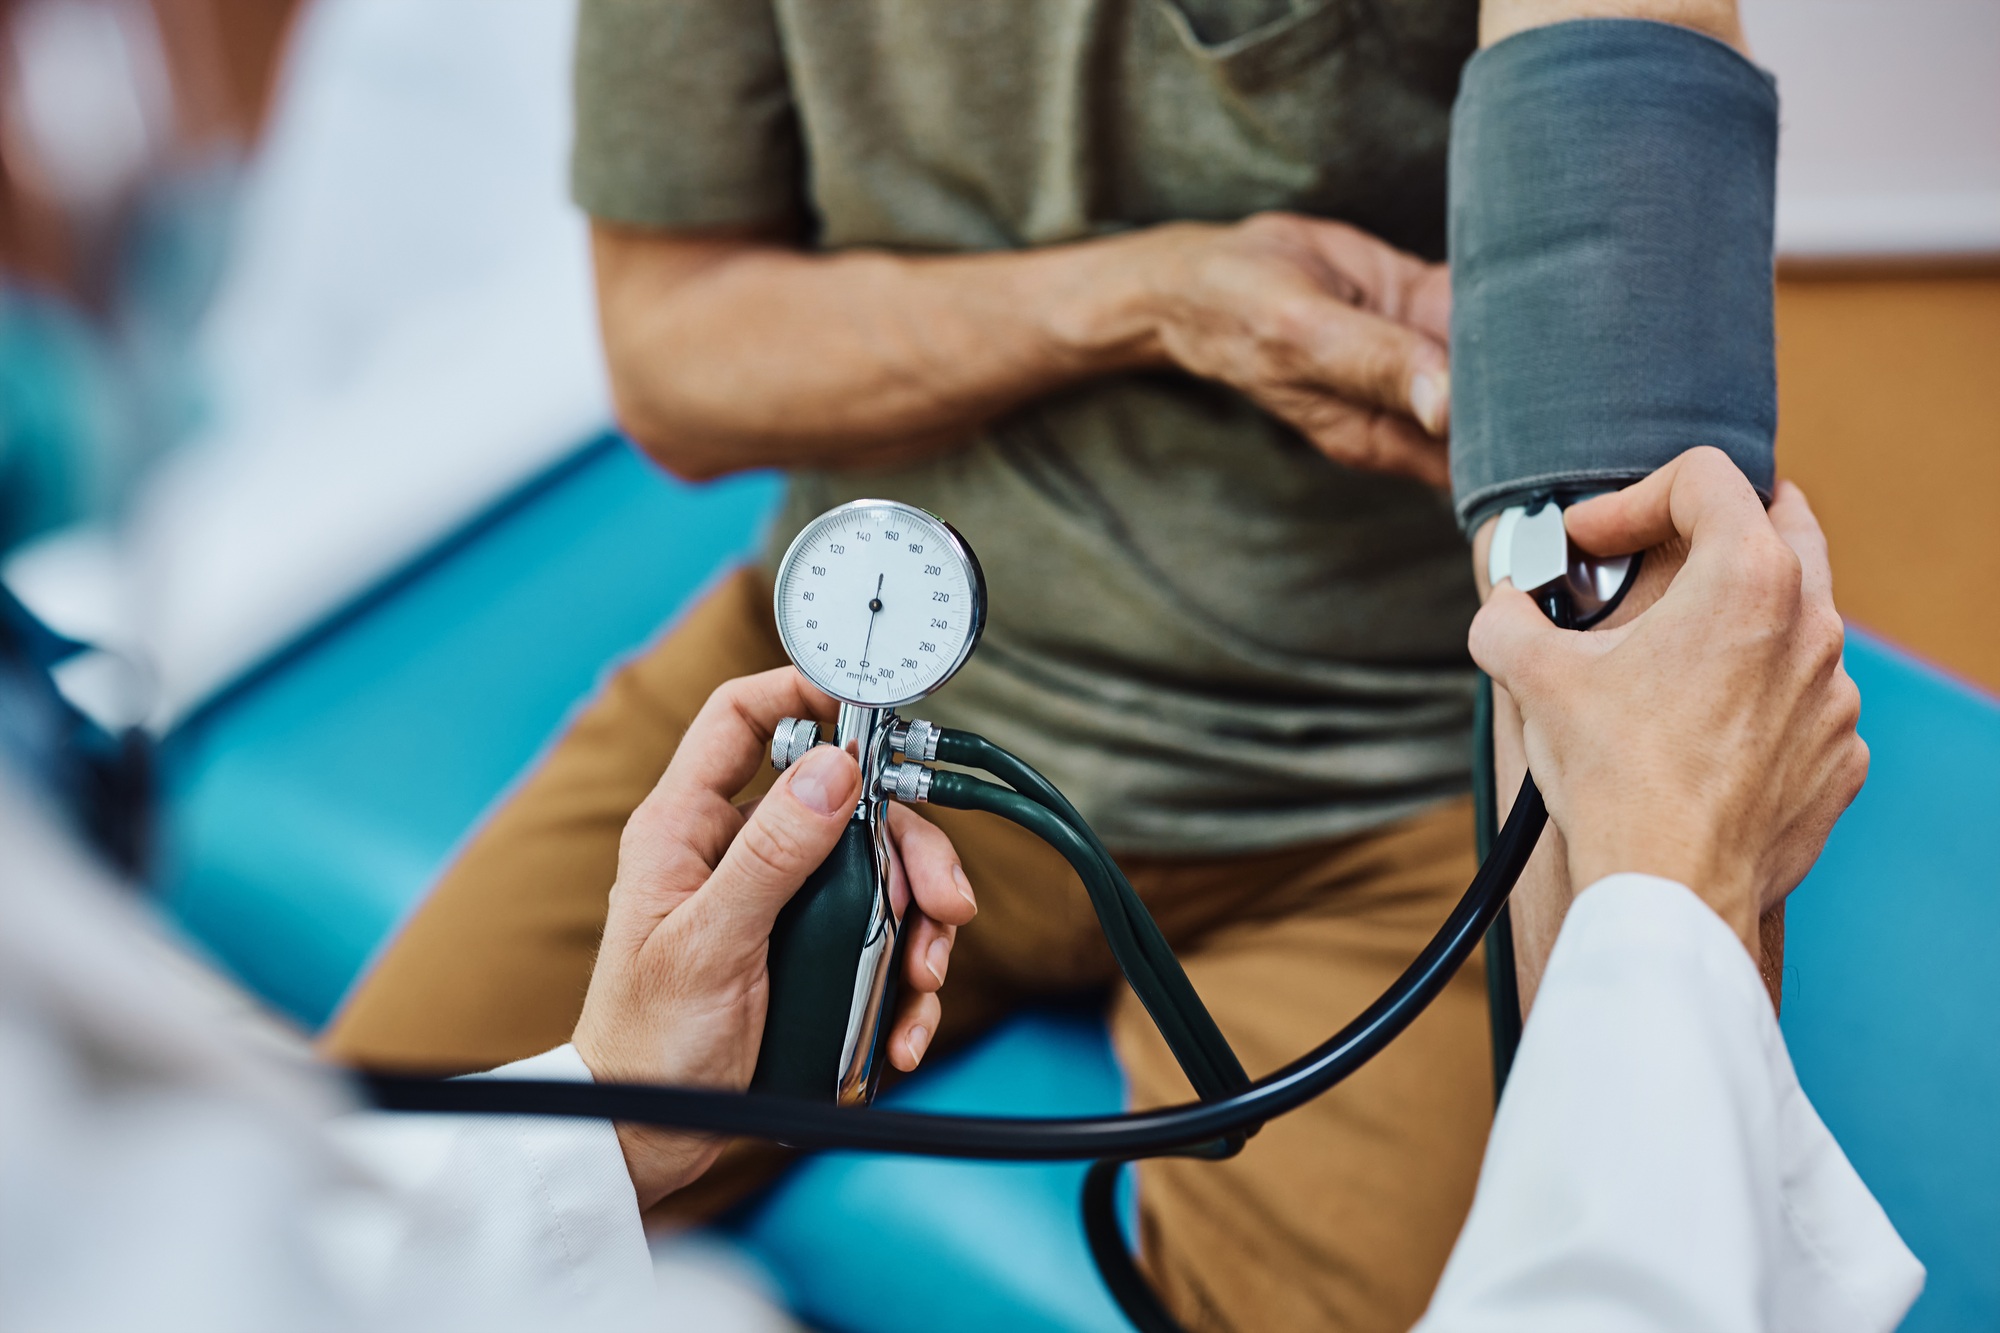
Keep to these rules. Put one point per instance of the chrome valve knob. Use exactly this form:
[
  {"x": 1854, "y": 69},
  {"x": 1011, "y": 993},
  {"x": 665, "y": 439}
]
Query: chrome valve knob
[
  {"x": 909, "y": 783},
  {"x": 916, "y": 740},
  {"x": 789, "y": 743}
]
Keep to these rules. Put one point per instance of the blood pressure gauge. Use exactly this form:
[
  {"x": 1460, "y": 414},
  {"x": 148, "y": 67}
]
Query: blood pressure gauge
[{"x": 879, "y": 603}]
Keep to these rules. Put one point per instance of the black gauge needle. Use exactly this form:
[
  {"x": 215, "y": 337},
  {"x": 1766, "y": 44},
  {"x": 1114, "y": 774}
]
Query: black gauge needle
[{"x": 874, "y": 608}]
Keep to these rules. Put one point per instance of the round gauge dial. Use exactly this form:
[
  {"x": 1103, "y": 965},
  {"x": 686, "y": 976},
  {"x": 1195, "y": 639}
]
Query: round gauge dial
[{"x": 879, "y": 602}]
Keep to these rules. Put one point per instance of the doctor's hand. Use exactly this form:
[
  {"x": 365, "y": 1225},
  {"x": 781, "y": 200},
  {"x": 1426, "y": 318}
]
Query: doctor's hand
[
  {"x": 1340, "y": 334},
  {"x": 1712, "y": 739},
  {"x": 679, "y": 990}
]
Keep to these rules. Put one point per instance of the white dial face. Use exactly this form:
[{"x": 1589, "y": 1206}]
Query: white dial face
[{"x": 877, "y": 603}]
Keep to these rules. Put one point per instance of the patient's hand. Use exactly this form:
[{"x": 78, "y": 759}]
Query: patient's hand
[
  {"x": 679, "y": 990},
  {"x": 1340, "y": 334},
  {"x": 1712, "y": 739}
]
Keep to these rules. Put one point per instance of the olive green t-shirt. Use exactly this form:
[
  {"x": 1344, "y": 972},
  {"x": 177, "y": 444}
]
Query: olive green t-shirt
[{"x": 1211, "y": 637}]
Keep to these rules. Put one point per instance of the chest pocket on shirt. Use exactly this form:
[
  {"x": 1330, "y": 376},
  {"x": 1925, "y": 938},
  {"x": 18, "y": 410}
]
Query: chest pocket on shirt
[
  {"x": 1252, "y": 42},
  {"x": 1334, "y": 107}
]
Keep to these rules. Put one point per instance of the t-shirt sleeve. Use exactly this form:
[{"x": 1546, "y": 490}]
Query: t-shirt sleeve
[{"x": 683, "y": 114}]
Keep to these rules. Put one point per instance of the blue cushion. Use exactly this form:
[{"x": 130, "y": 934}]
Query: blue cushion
[
  {"x": 310, "y": 806},
  {"x": 910, "y": 1245},
  {"x": 1891, "y": 989}
]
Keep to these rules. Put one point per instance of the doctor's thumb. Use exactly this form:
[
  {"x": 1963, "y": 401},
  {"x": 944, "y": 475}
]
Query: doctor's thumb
[
  {"x": 1512, "y": 641},
  {"x": 791, "y": 831}
]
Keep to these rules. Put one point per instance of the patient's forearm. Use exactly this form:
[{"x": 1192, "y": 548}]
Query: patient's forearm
[
  {"x": 1499, "y": 19},
  {"x": 735, "y": 351}
]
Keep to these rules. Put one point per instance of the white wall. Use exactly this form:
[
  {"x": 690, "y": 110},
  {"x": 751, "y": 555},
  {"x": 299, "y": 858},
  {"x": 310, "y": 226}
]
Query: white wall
[{"x": 1891, "y": 141}]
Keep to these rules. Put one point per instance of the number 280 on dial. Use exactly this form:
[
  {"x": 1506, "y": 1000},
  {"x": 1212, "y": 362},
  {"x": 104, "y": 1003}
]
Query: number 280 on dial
[{"x": 879, "y": 602}]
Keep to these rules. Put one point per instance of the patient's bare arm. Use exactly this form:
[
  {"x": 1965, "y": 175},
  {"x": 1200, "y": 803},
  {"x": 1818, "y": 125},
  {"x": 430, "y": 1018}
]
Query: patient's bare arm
[
  {"x": 739, "y": 349},
  {"x": 1500, "y": 19}
]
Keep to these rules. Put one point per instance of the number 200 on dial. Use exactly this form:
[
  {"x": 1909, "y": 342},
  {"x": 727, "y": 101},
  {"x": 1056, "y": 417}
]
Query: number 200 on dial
[{"x": 879, "y": 602}]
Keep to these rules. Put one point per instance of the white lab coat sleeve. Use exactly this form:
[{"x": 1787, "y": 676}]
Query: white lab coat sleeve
[
  {"x": 528, "y": 1216},
  {"x": 1654, "y": 1166},
  {"x": 170, "y": 1161}
]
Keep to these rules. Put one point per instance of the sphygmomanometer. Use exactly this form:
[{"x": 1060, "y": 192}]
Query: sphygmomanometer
[{"x": 1610, "y": 224}]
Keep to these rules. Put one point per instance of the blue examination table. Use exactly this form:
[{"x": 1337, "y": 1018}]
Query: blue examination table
[{"x": 311, "y": 803}]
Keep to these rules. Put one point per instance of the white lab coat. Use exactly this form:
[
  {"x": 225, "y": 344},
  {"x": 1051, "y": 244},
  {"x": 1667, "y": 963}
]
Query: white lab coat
[
  {"x": 167, "y": 1163},
  {"x": 1654, "y": 1165}
]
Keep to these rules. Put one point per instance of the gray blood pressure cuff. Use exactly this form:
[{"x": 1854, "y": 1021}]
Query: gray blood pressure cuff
[{"x": 1612, "y": 188}]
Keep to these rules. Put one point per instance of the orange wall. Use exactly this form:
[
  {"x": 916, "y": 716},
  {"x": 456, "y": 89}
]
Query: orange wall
[{"x": 1889, "y": 418}]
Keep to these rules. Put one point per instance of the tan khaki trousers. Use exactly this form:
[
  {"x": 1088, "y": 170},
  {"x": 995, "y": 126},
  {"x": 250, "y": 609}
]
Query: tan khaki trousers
[{"x": 1336, "y": 1217}]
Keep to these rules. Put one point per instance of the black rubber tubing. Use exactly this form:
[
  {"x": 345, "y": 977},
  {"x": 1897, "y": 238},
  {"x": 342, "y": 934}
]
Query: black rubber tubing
[
  {"x": 1017, "y": 1139},
  {"x": 1106, "y": 1238},
  {"x": 1503, "y": 988},
  {"x": 975, "y": 751},
  {"x": 1161, "y": 985}
]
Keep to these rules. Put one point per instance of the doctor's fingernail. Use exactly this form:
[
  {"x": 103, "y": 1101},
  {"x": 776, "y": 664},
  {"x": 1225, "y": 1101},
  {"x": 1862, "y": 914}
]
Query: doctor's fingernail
[
  {"x": 963, "y": 886},
  {"x": 938, "y": 957},
  {"x": 817, "y": 780},
  {"x": 920, "y": 1041},
  {"x": 1430, "y": 399}
]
